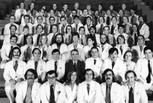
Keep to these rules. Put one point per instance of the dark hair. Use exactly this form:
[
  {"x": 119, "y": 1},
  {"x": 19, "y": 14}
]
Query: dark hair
[
  {"x": 52, "y": 17},
  {"x": 39, "y": 16},
  {"x": 76, "y": 50},
  {"x": 39, "y": 25},
  {"x": 36, "y": 49},
  {"x": 51, "y": 72},
  {"x": 104, "y": 73},
  {"x": 27, "y": 16},
  {"x": 68, "y": 80},
  {"x": 88, "y": 69},
  {"x": 148, "y": 48},
  {"x": 128, "y": 51},
  {"x": 75, "y": 34},
  {"x": 55, "y": 50},
  {"x": 67, "y": 27},
  {"x": 112, "y": 50},
  {"x": 12, "y": 26},
  {"x": 26, "y": 36},
  {"x": 140, "y": 36},
  {"x": 130, "y": 71},
  {"x": 11, "y": 52},
  {"x": 32, "y": 71},
  {"x": 81, "y": 27},
  {"x": 121, "y": 37},
  {"x": 14, "y": 36},
  {"x": 61, "y": 36}
]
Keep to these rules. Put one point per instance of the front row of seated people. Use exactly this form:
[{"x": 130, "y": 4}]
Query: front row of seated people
[{"x": 23, "y": 85}]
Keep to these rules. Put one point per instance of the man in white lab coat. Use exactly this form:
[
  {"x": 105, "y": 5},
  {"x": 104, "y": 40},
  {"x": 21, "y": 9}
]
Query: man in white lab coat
[
  {"x": 27, "y": 91},
  {"x": 52, "y": 91}
]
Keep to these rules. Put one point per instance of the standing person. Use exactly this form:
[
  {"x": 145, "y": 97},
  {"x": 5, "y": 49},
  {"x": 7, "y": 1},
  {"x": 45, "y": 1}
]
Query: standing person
[
  {"x": 52, "y": 91},
  {"x": 89, "y": 91},
  {"x": 13, "y": 73},
  {"x": 112, "y": 91},
  {"x": 71, "y": 87},
  {"x": 134, "y": 91},
  {"x": 27, "y": 91}
]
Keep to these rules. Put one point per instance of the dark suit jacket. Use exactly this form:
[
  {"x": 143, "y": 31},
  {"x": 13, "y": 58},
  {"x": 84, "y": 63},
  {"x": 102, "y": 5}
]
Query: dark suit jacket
[{"x": 80, "y": 69}]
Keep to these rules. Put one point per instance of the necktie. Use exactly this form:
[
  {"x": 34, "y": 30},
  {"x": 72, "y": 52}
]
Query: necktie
[
  {"x": 113, "y": 63},
  {"x": 28, "y": 98},
  {"x": 131, "y": 96},
  {"x": 55, "y": 66},
  {"x": 94, "y": 61},
  {"x": 16, "y": 65},
  {"x": 121, "y": 49},
  {"x": 88, "y": 88},
  {"x": 141, "y": 48},
  {"x": 52, "y": 97},
  {"x": 149, "y": 72},
  {"x": 76, "y": 27},
  {"x": 108, "y": 96},
  {"x": 112, "y": 29},
  {"x": 108, "y": 20},
  {"x": 28, "y": 54},
  {"x": 36, "y": 65},
  {"x": 75, "y": 66},
  {"x": 10, "y": 54}
]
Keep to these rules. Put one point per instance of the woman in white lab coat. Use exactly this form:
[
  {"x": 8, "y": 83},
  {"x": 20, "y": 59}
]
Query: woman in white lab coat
[{"x": 71, "y": 87}]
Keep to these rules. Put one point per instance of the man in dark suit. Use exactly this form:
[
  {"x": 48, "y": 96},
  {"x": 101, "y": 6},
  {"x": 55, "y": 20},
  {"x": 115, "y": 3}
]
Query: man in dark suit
[{"x": 75, "y": 64}]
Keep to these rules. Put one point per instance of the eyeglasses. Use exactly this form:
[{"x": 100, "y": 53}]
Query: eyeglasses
[{"x": 53, "y": 77}]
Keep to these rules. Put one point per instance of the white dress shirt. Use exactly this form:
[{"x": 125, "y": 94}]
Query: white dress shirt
[
  {"x": 22, "y": 89},
  {"x": 94, "y": 96}
]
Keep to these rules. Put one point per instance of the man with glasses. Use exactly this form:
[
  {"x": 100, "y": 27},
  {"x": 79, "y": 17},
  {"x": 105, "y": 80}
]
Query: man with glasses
[{"x": 52, "y": 91}]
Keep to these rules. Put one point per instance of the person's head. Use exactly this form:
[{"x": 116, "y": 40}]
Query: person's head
[
  {"x": 111, "y": 7},
  {"x": 13, "y": 39},
  {"x": 128, "y": 56},
  {"x": 71, "y": 77},
  {"x": 89, "y": 20},
  {"x": 54, "y": 28},
  {"x": 141, "y": 40},
  {"x": 120, "y": 39},
  {"x": 63, "y": 20},
  {"x": 59, "y": 38},
  {"x": 15, "y": 53},
  {"x": 26, "y": 29},
  {"x": 101, "y": 19},
  {"x": 123, "y": 6},
  {"x": 108, "y": 76},
  {"x": 39, "y": 19},
  {"x": 36, "y": 53},
  {"x": 52, "y": 20},
  {"x": 30, "y": 74},
  {"x": 113, "y": 53},
  {"x": 39, "y": 28},
  {"x": 74, "y": 54},
  {"x": 76, "y": 19},
  {"x": 114, "y": 20},
  {"x": 141, "y": 20},
  {"x": 130, "y": 77},
  {"x": 44, "y": 39},
  {"x": 51, "y": 77},
  {"x": 125, "y": 19},
  {"x": 120, "y": 29},
  {"x": 90, "y": 41},
  {"x": 106, "y": 30},
  {"x": 21, "y": 5},
  {"x": 89, "y": 75},
  {"x": 103, "y": 39},
  {"x": 12, "y": 19},
  {"x": 82, "y": 30},
  {"x": 75, "y": 37},
  {"x": 54, "y": 6},
  {"x": 56, "y": 54},
  {"x": 65, "y": 7},
  {"x": 94, "y": 52},
  {"x": 135, "y": 28},
  {"x": 13, "y": 29},
  {"x": 92, "y": 30},
  {"x": 68, "y": 29},
  {"x": 26, "y": 19},
  {"x": 29, "y": 39},
  {"x": 32, "y": 5},
  {"x": 100, "y": 7},
  {"x": 148, "y": 51}
]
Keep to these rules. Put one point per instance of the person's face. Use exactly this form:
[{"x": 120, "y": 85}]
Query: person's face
[
  {"x": 94, "y": 53},
  {"x": 73, "y": 77},
  {"x": 54, "y": 6},
  {"x": 120, "y": 40},
  {"x": 63, "y": 21},
  {"x": 109, "y": 77},
  {"x": 103, "y": 39},
  {"x": 36, "y": 54},
  {"x": 89, "y": 76},
  {"x": 58, "y": 38},
  {"x": 130, "y": 78},
  {"x": 128, "y": 56},
  {"x": 52, "y": 12},
  {"x": 56, "y": 56},
  {"x": 22, "y": 5},
  {"x": 65, "y": 7},
  {"x": 82, "y": 31},
  {"x": 26, "y": 31},
  {"x": 51, "y": 78},
  {"x": 32, "y": 5},
  {"x": 74, "y": 55},
  {"x": 54, "y": 29},
  {"x": 148, "y": 54},
  {"x": 88, "y": 21},
  {"x": 88, "y": 7},
  {"x": 90, "y": 41},
  {"x": 111, "y": 7},
  {"x": 12, "y": 30},
  {"x": 114, "y": 20},
  {"x": 140, "y": 41},
  {"x": 16, "y": 53},
  {"x": 76, "y": 5},
  {"x": 121, "y": 30},
  {"x": 134, "y": 27},
  {"x": 52, "y": 20},
  {"x": 39, "y": 20},
  {"x": 141, "y": 19},
  {"x": 99, "y": 7},
  {"x": 44, "y": 39},
  {"x": 69, "y": 29},
  {"x": 76, "y": 20},
  {"x": 123, "y": 6},
  {"x": 114, "y": 56},
  {"x": 101, "y": 20},
  {"x": 75, "y": 39},
  {"x": 12, "y": 19},
  {"x": 92, "y": 31},
  {"x": 13, "y": 41},
  {"x": 106, "y": 30},
  {"x": 26, "y": 19},
  {"x": 30, "y": 76},
  {"x": 108, "y": 12},
  {"x": 29, "y": 39},
  {"x": 39, "y": 29}
]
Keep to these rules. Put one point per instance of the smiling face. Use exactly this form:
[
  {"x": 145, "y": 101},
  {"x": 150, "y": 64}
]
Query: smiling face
[{"x": 109, "y": 77}]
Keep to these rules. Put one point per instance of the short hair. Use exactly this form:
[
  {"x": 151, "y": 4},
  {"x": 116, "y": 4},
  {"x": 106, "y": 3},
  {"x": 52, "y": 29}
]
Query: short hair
[
  {"x": 11, "y": 52},
  {"x": 62, "y": 17},
  {"x": 55, "y": 50},
  {"x": 39, "y": 16},
  {"x": 130, "y": 71},
  {"x": 121, "y": 37},
  {"x": 104, "y": 73},
  {"x": 36, "y": 49},
  {"x": 12, "y": 26},
  {"x": 32, "y": 71},
  {"x": 67, "y": 27},
  {"x": 40, "y": 26},
  {"x": 89, "y": 69},
  {"x": 26, "y": 27},
  {"x": 51, "y": 72},
  {"x": 148, "y": 48},
  {"x": 27, "y": 16},
  {"x": 93, "y": 28},
  {"x": 27, "y": 37},
  {"x": 140, "y": 36},
  {"x": 76, "y": 50},
  {"x": 75, "y": 34},
  {"x": 112, "y": 50},
  {"x": 75, "y": 17},
  {"x": 94, "y": 47},
  {"x": 14, "y": 36},
  {"x": 82, "y": 27},
  {"x": 52, "y": 17}
]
